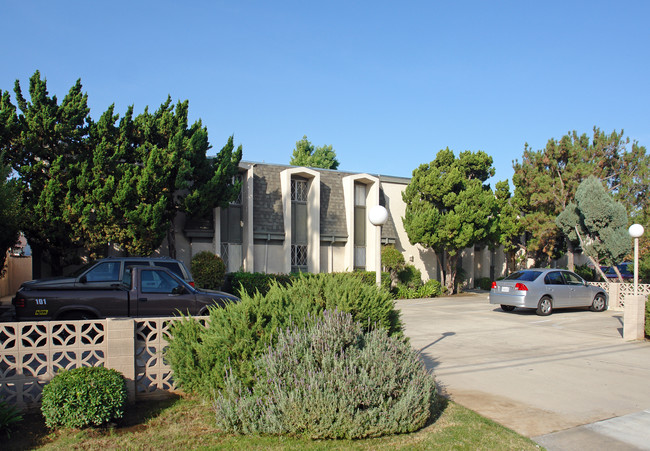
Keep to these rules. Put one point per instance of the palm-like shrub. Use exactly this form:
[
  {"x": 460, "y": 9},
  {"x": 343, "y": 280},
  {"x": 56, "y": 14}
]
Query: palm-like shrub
[{"x": 330, "y": 379}]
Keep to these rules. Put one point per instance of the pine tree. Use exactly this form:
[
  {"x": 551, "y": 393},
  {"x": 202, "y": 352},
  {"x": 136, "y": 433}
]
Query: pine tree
[
  {"x": 546, "y": 182},
  {"x": 320, "y": 157},
  {"x": 598, "y": 223}
]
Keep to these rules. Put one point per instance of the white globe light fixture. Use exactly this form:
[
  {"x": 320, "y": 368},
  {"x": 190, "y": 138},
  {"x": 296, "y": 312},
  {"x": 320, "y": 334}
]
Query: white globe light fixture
[
  {"x": 636, "y": 232},
  {"x": 378, "y": 216}
]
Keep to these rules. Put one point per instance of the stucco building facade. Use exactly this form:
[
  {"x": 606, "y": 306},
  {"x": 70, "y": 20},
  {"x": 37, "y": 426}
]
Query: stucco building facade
[{"x": 290, "y": 218}]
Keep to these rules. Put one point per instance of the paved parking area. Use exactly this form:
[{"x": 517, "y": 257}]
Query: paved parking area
[{"x": 545, "y": 377}]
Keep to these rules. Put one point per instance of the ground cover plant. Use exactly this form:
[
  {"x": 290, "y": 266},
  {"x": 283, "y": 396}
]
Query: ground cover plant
[
  {"x": 235, "y": 335},
  {"x": 10, "y": 416},
  {"x": 188, "y": 423},
  {"x": 330, "y": 379}
]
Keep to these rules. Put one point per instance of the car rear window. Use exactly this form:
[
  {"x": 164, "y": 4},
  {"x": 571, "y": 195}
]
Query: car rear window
[
  {"x": 172, "y": 266},
  {"x": 527, "y": 276}
]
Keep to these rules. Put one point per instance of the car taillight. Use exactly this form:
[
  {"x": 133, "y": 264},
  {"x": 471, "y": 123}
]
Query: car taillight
[
  {"x": 192, "y": 284},
  {"x": 494, "y": 285},
  {"x": 18, "y": 302},
  {"x": 521, "y": 287}
]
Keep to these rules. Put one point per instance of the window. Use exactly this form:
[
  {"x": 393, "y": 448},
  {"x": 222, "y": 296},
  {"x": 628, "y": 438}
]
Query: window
[
  {"x": 104, "y": 272},
  {"x": 172, "y": 266},
  {"x": 526, "y": 276},
  {"x": 572, "y": 279},
  {"x": 359, "y": 226},
  {"x": 299, "y": 232},
  {"x": 554, "y": 278},
  {"x": 158, "y": 282}
]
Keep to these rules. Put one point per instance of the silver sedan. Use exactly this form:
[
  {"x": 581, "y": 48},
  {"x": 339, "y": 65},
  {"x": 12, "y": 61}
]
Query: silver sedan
[{"x": 545, "y": 290}]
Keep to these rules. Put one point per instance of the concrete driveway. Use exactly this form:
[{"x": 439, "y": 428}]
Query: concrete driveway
[{"x": 562, "y": 380}]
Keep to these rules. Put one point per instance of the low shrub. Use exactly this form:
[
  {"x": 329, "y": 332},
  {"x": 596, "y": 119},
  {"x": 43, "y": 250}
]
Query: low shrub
[
  {"x": 484, "y": 283},
  {"x": 330, "y": 380},
  {"x": 87, "y": 396},
  {"x": 430, "y": 289},
  {"x": 208, "y": 270},
  {"x": 250, "y": 283},
  {"x": 9, "y": 417},
  {"x": 370, "y": 278},
  {"x": 586, "y": 272},
  {"x": 410, "y": 276},
  {"x": 238, "y": 333}
]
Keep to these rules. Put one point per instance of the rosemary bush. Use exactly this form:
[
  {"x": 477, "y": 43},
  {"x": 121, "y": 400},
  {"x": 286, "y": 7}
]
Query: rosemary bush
[
  {"x": 237, "y": 334},
  {"x": 330, "y": 379}
]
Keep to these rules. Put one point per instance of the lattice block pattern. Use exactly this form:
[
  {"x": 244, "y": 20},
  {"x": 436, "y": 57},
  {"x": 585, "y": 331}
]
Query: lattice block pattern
[
  {"x": 33, "y": 352},
  {"x": 152, "y": 372},
  {"x": 617, "y": 292}
]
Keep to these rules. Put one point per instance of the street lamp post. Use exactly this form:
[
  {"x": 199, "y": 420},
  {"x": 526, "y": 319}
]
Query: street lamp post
[
  {"x": 636, "y": 232},
  {"x": 378, "y": 216},
  {"x": 634, "y": 314}
]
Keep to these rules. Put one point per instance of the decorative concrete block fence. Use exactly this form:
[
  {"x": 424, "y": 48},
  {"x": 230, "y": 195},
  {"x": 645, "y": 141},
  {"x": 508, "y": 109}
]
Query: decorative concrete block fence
[{"x": 31, "y": 353}]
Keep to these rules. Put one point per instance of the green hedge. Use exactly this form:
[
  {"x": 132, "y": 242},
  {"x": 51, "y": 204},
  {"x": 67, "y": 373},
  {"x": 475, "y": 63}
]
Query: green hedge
[
  {"x": 84, "y": 397},
  {"x": 208, "y": 270},
  {"x": 329, "y": 380},
  {"x": 250, "y": 283},
  {"x": 238, "y": 333},
  {"x": 484, "y": 283}
]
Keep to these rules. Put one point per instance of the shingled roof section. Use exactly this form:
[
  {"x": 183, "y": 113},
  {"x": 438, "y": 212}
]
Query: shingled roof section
[
  {"x": 388, "y": 230},
  {"x": 267, "y": 199},
  {"x": 267, "y": 202},
  {"x": 332, "y": 204}
]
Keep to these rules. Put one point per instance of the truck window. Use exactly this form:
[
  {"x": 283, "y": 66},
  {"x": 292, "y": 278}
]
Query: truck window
[
  {"x": 104, "y": 272},
  {"x": 157, "y": 282},
  {"x": 128, "y": 264}
]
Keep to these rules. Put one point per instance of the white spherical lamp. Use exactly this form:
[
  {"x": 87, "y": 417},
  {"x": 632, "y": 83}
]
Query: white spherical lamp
[
  {"x": 636, "y": 230},
  {"x": 378, "y": 215}
]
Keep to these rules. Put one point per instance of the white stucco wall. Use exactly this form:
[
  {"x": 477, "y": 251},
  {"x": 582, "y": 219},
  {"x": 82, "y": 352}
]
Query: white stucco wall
[{"x": 423, "y": 259}]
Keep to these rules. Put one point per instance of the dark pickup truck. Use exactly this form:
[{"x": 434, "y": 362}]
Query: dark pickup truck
[{"x": 144, "y": 291}]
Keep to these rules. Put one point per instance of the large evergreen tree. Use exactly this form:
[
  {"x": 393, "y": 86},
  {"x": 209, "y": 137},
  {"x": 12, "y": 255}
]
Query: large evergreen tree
[
  {"x": 598, "y": 223},
  {"x": 45, "y": 145},
  {"x": 9, "y": 213},
  {"x": 449, "y": 207},
  {"x": 509, "y": 226},
  {"x": 87, "y": 185},
  {"x": 546, "y": 181}
]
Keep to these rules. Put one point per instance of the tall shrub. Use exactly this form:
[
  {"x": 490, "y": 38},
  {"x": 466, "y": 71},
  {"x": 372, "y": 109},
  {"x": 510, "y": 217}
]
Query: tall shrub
[
  {"x": 237, "y": 334},
  {"x": 208, "y": 270},
  {"x": 329, "y": 379}
]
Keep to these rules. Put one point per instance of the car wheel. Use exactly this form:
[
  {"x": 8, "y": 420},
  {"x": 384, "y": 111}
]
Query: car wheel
[
  {"x": 599, "y": 303},
  {"x": 544, "y": 306},
  {"x": 507, "y": 308}
]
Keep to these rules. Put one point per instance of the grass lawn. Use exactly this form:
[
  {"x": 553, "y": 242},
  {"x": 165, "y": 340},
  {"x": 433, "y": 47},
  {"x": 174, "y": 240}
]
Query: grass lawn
[{"x": 185, "y": 423}]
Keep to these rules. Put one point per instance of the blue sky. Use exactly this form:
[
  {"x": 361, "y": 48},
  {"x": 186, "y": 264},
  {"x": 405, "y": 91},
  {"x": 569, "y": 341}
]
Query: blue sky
[{"x": 387, "y": 84}]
